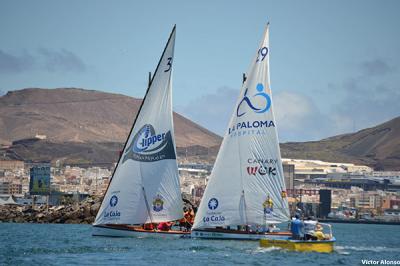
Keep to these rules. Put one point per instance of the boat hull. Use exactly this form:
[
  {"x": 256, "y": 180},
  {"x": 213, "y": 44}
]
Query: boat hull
[
  {"x": 236, "y": 235},
  {"x": 323, "y": 246},
  {"x": 132, "y": 231}
]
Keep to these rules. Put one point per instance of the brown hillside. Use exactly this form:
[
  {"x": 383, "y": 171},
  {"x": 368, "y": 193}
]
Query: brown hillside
[
  {"x": 77, "y": 115},
  {"x": 90, "y": 126},
  {"x": 378, "y": 147}
]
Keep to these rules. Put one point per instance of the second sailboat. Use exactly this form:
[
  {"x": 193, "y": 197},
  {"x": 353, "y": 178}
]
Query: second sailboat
[{"x": 246, "y": 190}]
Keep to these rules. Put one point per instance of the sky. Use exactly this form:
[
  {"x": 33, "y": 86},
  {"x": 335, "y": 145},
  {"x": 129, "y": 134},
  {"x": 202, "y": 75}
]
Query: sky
[{"x": 334, "y": 65}]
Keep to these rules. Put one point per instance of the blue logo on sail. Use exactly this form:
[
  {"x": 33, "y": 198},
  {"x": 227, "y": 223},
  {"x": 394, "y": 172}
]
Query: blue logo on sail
[
  {"x": 213, "y": 217},
  {"x": 264, "y": 97},
  {"x": 213, "y": 204},
  {"x": 112, "y": 213},
  {"x": 147, "y": 138},
  {"x": 149, "y": 146},
  {"x": 113, "y": 201}
]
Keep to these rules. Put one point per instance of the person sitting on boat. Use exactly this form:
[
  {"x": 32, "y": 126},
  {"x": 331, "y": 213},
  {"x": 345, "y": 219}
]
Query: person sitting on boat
[
  {"x": 148, "y": 226},
  {"x": 296, "y": 227},
  {"x": 182, "y": 223},
  {"x": 268, "y": 205},
  {"x": 272, "y": 228},
  {"x": 192, "y": 215},
  {"x": 309, "y": 229},
  {"x": 260, "y": 229},
  {"x": 189, "y": 218},
  {"x": 319, "y": 234},
  {"x": 164, "y": 226}
]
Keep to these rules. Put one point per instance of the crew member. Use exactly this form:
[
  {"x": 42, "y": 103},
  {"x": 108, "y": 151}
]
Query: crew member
[
  {"x": 309, "y": 229},
  {"x": 319, "y": 234},
  {"x": 189, "y": 218},
  {"x": 297, "y": 228},
  {"x": 164, "y": 226},
  {"x": 148, "y": 226}
]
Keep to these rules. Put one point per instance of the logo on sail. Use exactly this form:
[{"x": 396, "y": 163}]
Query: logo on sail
[
  {"x": 213, "y": 204},
  {"x": 213, "y": 217},
  {"x": 148, "y": 146},
  {"x": 253, "y": 170},
  {"x": 113, "y": 201},
  {"x": 258, "y": 103},
  {"x": 261, "y": 96},
  {"x": 158, "y": 204},
  {"x": 263, "y": 167},
  {"x": 112, "y": 213}
]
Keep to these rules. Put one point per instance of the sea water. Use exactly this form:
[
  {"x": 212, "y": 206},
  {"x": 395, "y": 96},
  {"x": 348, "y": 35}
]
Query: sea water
[{"x": 59, "y": 244}]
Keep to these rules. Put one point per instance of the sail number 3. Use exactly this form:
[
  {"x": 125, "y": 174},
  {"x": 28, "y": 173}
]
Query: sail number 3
[
  {"x": 261, "y": 54},
  {"x": 169, "y": 64}
]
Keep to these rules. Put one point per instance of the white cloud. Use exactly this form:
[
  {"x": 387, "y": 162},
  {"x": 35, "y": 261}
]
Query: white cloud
[
  {"x": 291, "y": 108},
  {"x": 213, "y": 110},
  {"x": 298, "y": 118},
  {"x": 370, "y": 98},
  {"x": 364, "y": 100}
]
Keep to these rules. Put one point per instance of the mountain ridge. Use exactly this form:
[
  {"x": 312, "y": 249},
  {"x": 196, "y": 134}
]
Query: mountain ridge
[
  {"x": 377, "y": 146},
  {"x": 80, "y": 123},
  {"x": 79, "y": 115}
]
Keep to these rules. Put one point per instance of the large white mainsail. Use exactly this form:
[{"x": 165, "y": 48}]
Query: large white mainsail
[
  {"x": 247, "y": 185},
  {"x": 145, "y": 185}
]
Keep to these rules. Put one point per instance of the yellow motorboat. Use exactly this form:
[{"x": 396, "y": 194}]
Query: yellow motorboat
[{"x": 324, "y": 245}]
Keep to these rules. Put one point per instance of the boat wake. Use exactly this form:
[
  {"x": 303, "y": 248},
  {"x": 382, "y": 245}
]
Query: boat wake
[
  {"x": 198, "y": 248},
  {"x": 264, "y": 250},
  {"x": 348, "y": 249}
]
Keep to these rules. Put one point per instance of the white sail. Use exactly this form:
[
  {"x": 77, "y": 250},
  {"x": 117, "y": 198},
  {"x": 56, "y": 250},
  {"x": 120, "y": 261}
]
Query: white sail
[
  {"x": 145, "y": 185},
  {"x": 247, "y": 184}
]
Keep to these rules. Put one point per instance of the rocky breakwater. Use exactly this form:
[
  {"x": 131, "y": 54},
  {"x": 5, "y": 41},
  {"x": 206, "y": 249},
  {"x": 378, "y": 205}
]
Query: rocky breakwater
[{"x": 83, "y": 212}]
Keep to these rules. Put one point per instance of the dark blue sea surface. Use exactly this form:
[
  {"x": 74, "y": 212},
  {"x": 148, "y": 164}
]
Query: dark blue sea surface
[{"x": 58, "y": 244}]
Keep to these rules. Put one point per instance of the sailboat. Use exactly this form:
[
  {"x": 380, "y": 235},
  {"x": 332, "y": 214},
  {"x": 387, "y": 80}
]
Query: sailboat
[
  {"x": 246, "y": 189},
  {"x": 144, "y": 187}
]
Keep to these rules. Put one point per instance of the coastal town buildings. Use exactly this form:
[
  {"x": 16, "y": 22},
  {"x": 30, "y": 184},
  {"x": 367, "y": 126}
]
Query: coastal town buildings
[
  {"x": 355, "y": 189},
  {"x": 11, "y": 165},
  {"x": 10, "y": 188}
]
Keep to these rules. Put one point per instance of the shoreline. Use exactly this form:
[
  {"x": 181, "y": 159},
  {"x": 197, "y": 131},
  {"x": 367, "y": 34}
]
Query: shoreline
[
  {"x": 78, "y": 213},
  {"x": 85, "y": 212},
  {"x": 358, "y": 221}
]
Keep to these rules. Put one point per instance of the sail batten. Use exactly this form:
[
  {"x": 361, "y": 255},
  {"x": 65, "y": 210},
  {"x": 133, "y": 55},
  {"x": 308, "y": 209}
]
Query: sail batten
[
  {"x": 247, "y": 185},
  {"x": 145, "y": 184}
]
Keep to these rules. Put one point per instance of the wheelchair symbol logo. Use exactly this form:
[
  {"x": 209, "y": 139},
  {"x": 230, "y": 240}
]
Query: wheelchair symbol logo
[{"x": 256, "y": 109}]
